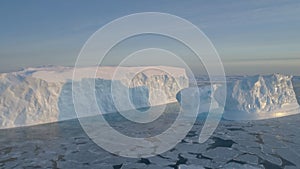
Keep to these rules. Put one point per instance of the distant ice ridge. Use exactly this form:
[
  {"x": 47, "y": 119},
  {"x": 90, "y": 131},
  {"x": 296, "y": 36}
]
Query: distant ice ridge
[
  {"x": 44, "y": 94},
  {"x": 260, "y": 97}
]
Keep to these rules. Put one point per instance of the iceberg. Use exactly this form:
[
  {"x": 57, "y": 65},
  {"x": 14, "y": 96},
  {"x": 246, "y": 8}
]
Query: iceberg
[
  {"x": 44, "y": 94},
  {"x": 260, "y": 97}
]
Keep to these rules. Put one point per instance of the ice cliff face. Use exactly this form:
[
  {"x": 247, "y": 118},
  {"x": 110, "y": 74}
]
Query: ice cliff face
[
  {"x": 27, "y": 100},
  {"x": 43, "y": 95},
  {"x": 260, "y": 97}
]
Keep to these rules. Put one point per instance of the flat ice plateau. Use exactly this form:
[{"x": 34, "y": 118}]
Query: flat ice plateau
[{"x": 270, "y": 144}]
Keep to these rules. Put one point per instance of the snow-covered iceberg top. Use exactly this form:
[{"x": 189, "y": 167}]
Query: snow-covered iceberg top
[
  {"x": 44, "y": 94},
  {"x": 260, "y": 97},
  {"x": 62, "y": 74}
]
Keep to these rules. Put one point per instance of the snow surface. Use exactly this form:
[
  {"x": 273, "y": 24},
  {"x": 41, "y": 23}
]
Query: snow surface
[
  {"x": 260, "y": 97},
  {"x": 42, "y": 95},
  {"x": 62, "y": 74}
]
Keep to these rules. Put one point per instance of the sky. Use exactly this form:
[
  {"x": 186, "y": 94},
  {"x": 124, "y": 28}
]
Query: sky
[{"x": 251, "y": 37}]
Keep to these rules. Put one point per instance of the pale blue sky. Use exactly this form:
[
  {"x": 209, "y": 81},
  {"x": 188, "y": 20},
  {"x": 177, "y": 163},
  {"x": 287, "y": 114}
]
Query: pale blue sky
[{"x": 251, "y": 36}]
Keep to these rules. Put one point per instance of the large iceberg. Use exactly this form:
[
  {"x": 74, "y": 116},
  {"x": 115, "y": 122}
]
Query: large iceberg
[
  {"x": 260, "y": 97},
  {"x": 249, "y": 97},
  {"x": 42, "y": 95}
]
